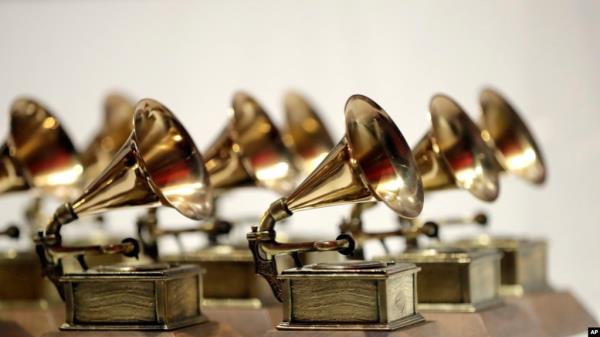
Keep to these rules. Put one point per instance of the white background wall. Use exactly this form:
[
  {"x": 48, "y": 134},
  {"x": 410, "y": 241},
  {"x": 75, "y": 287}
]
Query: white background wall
[{"x": 544, "y": 55}]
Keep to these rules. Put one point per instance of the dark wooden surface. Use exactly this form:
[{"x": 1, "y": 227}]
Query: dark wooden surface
[
  {"x": 558, "y": 313},
  {"x": 208, "y": 329},
  {"x": 247, "y": 322},
  {"x": 31, "y": 322}
]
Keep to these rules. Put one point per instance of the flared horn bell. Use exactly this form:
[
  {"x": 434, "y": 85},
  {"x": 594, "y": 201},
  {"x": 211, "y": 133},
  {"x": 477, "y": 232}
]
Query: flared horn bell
[
  {"x": 503, "y": 129},
  {"x": 43, "y": 150},
  {"x": 371, "y": 162},
  {"x": 305, "y": 133},
  {"x": 453, "y": 154},
  {"x": 250, "y": 151},
  {"x": 116, "y": 128},
  {"x": 159, "y": 164},
  {"x": 12, "y": 178}
]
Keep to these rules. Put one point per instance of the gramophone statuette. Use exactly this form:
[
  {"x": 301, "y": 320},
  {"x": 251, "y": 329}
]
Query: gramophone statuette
[
  {"x": 371, "y": 162},
  {"x": 158, "y": 165}
]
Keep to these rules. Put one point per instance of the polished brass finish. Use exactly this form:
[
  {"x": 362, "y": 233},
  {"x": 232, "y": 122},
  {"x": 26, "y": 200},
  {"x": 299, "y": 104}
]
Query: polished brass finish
[
  {"x": 12, "y": 177},
  {"x": 523, "y": 262},
  {"x": 249, "y": 151},
  {"x": 305, "y": 133},
  {"x": 504, "y": 131},
  {"x": 350, "y": 296},
  {"x": 158, "y": 165},
  {"x": 453, "y": 279},
  {"x": 453, "y": 154},
  {"x": 371, "y": 162},
  {"x": 115, "y": 130},
  {"x": 45, "y": 155},
  {"x": 147, "y": 297}
]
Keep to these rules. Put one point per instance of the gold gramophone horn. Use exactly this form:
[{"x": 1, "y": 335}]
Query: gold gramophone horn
[
  {"x": 249, "y": 151},
  {"x": 503, "y": 129},
  {"x": 305, "y": 133},
  {"x": 116, "y": 128},
  {"x": 158, "y": 165},
  {"x": 371, "y": 162},
  {"x": 42, "y": 149},
  {"x": 11, "y": 175},
  {"x": 453, "y": 154}
]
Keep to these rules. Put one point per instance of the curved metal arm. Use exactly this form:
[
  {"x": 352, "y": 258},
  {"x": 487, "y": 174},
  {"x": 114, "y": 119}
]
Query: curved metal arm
[
  {"x": 264, "y": 247},
  {"x": 149, "y": 231}
]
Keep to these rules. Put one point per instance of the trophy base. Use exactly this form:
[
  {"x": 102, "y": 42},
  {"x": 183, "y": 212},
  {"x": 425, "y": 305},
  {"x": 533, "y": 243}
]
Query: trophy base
[
  {"x": 363, "y": 295},
  {"x": 229, "y": 278},
  {"x": 208, "y": 329},
  {"x": 558, "y": 313},
  {"x": 523, "y": 262},
  {"x": 459, "y": 307},
  {"x": 471, "y": 279},
  {"x": 395, "y": 325},
  {"x": 141, "y": 297}
]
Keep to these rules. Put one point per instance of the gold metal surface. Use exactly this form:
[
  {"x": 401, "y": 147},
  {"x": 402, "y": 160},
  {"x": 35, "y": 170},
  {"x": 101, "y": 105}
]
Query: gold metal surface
[
  {"x": 523, "y": 263},
  {"x": 504, "y": 131},
  {"x": 453, "y": 154},
  {"x": 305, "y": 133},
  {"x": 249, "y": 151},
  {"x": 115, "y": 130},
  {"x": 38, "y": 153},
  {"x": 146, "y": 297},
  {"x": 350, "y": 296},
  {"x": 158, "y": 165},
  {"x": 371, "y": 162},
  {"x": 454, "y": 279}
]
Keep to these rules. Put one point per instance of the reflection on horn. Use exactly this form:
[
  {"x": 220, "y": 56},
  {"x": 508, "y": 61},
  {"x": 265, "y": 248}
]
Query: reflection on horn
[
  {"x": 305, "y": 133},
  {"x": 43, "y": 150},
  {"x": 503, "y": 129},
  {"x": 159, "y": 164},
  {"x": 453, "y": 154},
  {"x": 11, "y": 175},
  {"x": 249, "y": 151},
  {"x": 371, "y": 162},
  {"x": 116, "y": 128}
]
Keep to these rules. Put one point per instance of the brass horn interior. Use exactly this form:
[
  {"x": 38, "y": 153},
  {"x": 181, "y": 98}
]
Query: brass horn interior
[
  {"x": 305, "y": 134},
  {"x": 249, "y": 151},
  {"x": 43, "y": 150},
  {"x": 158, "y": 165},
  {"x": 116, "y": 128},
  {"x": 517, "y": 151},
  {"x": 453, "y": 154}
]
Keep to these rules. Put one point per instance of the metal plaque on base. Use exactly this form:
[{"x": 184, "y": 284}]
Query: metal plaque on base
[
  {"x": 523, "y": 263},
  {"x": 141, "y": 297},
  {"x": 453, "y": 279},
  {"x": 364, "y": 295}
]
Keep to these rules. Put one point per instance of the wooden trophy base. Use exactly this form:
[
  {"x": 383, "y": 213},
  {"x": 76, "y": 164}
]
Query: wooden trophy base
[{"x": 558, "y": 313}]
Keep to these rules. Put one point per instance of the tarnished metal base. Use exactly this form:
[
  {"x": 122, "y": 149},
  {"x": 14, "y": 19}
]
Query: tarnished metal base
[
  {"x": 143, "y": 297},
  {"x": 523, "y": 263},
  {"x": 454, "y": 279},
  {"x": 406, "y": 321},
  {"x": 354, "y": 295},
  {"x": 229, "y": 278}
]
